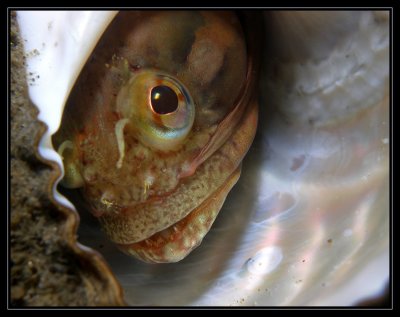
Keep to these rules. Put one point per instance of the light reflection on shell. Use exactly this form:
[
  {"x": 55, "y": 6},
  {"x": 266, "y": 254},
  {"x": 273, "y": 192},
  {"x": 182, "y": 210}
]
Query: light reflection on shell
[{"x": 311, "y": 208}]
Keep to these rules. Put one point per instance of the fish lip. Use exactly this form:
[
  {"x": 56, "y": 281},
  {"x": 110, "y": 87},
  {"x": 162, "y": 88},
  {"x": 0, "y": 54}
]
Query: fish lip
[{"x": 175, "y": 242}]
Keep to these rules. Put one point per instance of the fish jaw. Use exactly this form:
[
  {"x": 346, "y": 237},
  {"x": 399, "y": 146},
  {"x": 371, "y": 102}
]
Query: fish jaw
[{"x": 176, "y": 241}]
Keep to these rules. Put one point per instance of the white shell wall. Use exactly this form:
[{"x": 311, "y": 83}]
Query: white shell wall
[{"x": 57, "y": 44}]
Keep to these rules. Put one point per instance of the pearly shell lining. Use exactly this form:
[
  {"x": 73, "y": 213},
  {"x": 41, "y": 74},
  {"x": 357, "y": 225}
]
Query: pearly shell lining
[{"x": 295, "y": 188}]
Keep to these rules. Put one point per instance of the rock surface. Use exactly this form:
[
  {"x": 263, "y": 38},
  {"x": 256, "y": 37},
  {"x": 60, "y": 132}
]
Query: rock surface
[{"x": 45, "y": 267}]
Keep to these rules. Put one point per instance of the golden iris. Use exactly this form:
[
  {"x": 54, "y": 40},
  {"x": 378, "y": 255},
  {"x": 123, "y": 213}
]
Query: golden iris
[{"x": 159, "y": 107}]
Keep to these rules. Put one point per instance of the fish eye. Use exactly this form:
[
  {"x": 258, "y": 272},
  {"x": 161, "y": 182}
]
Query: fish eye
[{"x": 158, "y": 107}]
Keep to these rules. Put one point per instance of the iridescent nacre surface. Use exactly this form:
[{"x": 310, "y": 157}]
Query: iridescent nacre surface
[{"x": 308, "y": 222}]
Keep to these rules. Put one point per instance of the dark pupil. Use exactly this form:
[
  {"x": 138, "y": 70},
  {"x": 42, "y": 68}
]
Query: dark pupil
[{"x": 163, "y": 100}]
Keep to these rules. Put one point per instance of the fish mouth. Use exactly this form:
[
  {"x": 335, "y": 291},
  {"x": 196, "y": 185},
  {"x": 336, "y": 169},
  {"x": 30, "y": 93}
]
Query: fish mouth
[
  {"x": 167, "y": 230},
  {"x": 177, "y": 241}
]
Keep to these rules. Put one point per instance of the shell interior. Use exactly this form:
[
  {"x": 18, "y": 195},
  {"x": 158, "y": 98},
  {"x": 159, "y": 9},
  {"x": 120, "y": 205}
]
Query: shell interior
[{"x": 308, "y": 222}]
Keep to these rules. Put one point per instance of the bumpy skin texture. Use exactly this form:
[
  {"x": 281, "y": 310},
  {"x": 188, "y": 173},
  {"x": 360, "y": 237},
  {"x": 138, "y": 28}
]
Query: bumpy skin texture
[{"x": 136, "y": 190}]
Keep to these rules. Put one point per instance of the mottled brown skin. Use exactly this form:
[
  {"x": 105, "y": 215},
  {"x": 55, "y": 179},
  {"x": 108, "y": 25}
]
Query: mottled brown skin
[
  {"x": 179, "y": 239},
  {"x": 154, "y": 189}
]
